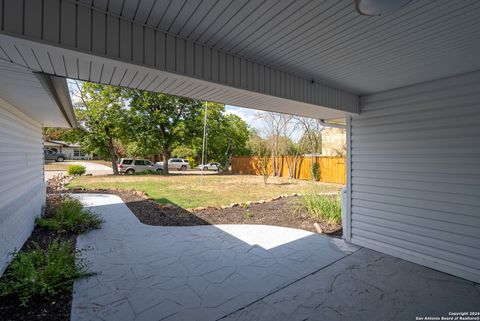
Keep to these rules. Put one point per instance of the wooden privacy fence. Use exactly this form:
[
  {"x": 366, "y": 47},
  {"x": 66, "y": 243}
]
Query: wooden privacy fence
[{"x": 332, "y": 168}]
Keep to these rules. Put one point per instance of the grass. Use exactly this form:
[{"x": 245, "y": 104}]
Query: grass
[
  {"x": 69, "y": 216},
  {"x": 43, "y": 272},
  {"x": 190, "y": 191},
  {"x": 322, "y": 207}
]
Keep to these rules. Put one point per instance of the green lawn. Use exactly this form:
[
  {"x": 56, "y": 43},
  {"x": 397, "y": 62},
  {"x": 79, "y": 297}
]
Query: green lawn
[{"x": 212, "y": 190}]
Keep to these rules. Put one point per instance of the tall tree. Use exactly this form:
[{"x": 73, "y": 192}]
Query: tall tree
[
  {"x": 161, "y": 121},
  {"x": 227, "y": 134},
  {"x": 100, "y": 111}
]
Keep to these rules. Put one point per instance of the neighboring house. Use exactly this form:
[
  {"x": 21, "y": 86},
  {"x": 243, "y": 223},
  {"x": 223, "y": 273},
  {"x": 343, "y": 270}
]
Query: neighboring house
[
  {"x": 334, "y": 141},
  {"x": 28, "y": 102},
  {"x": 71, "y": 151}
]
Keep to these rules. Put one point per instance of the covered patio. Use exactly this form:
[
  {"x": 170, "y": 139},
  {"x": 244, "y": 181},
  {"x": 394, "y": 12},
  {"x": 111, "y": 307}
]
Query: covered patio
[
  {"x": 249, "y": 272},
  {"x": 406, "y": 82}
]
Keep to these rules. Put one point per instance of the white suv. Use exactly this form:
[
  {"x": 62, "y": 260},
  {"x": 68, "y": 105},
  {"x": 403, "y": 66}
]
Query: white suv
[
  {"x": 131, "y": 166},
  {"x": 177, "y": 163}
]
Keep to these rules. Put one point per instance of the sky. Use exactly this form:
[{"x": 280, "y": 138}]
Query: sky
[{"x": 251, "y": 117}]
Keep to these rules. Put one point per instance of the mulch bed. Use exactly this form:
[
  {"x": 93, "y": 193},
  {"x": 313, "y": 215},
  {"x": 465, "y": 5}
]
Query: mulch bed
[
  {"x": 54, "y": 308},
  {"x": 282, "y": 212}
]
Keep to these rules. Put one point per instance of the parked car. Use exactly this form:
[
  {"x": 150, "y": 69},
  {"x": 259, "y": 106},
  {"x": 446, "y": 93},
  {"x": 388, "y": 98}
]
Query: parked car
[
  {"x": 177, "y": 163},
  {"x": 53, "y": 155},
  {"x": 131, "y": 166},
  {"x": 210, "y": 166}
]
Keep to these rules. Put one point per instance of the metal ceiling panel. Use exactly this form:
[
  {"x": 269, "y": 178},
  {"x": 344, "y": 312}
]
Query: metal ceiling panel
[
  {"x": 87, "y": 67},
  {"x": 328, "y": 40}
]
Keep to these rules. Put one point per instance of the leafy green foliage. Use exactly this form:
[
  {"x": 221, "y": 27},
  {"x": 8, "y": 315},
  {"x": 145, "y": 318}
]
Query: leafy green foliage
[
  {"x": 227, "y": 135},
  {"x": 322, "y": 207},
  {"x": 116, "y": 122},
  {"x": 183, "y": 151},
  {"x": 69, "y": 216},
  {"x": 76, "y": 170},
  {"x": 161, "y": 122},
  {"x": 192, "y": 162},
  {"x": 43, "y": 272},
  {"x": 100, "y": 111}
]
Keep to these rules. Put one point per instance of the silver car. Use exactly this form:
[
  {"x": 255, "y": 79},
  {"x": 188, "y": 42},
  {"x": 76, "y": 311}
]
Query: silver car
[
  {"x": 131, "y": 166},
  {"x": 210, "y": 166}
]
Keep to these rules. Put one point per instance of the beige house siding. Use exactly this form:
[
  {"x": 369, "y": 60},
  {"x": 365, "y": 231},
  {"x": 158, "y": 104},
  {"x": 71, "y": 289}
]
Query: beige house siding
[{"x": 334, "y": 141}]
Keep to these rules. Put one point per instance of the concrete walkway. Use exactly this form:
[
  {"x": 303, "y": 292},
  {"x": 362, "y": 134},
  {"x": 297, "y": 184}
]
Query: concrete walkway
[{"x": 247, "y": 272}]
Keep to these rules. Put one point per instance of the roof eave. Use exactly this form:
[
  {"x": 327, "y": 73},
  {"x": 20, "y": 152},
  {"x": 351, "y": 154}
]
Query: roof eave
[{"x": 57, "y": 88}]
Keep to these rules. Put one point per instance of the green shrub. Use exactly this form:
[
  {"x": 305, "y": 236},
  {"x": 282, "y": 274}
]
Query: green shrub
[
  {"x": 76, "y": 170},
  {"x": 192, "y": 162},
  {"x": 43, "y": 272},
  {"x": 69, "y": 216},
  {"x": 316, "y": 171},
  {"x": 322, "y": 207},
  {"x": 150, "y": 172}
]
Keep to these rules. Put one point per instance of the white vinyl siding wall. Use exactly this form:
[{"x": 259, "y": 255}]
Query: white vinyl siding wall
[
  {"x": 416, "y": 174},
  {"x": 22, "y": 187}
]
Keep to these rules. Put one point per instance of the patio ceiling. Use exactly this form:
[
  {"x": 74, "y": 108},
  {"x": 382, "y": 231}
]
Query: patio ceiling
[
  {"x": 327, "y": 41},
  {"x": 311, "y": 58}
]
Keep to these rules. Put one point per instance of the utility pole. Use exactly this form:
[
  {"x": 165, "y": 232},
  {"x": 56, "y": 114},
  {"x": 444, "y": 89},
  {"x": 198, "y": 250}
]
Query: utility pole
[{"x": 204, "y": 137}]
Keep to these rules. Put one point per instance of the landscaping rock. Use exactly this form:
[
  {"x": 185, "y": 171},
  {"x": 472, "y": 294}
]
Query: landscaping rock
[{"x": 318, "y": 228}]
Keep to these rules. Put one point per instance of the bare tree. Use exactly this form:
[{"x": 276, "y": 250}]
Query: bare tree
[
  {"x": 274, "y": 123},
  {"x": 313, "y": 135},
  {"x": 291, "y": 149}
]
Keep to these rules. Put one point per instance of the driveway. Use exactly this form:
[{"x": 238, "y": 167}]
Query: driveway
[
  {"x": 248, "y": 272},
  {"x": 91, "y": 169},
  {"x": 94, "y": 168}
]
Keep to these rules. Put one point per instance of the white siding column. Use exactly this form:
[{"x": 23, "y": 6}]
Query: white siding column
[{"x": 22, "y": 186}]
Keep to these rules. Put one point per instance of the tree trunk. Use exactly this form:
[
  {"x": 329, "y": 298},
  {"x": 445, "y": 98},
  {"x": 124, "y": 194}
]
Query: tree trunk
[
  {"x": 113, "y": 157},
  {"x": 165, "y": 159}
]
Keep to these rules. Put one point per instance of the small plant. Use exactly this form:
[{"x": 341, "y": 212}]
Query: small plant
[
  {"x": 76, "y": 170},
  {"x": 247, "y": 213},
  {"x": 43, "y": 272},
  {"x": 69, "y": 216},
  {"x": 322, "y": 207},
  {"x": 316, "y": 171}
]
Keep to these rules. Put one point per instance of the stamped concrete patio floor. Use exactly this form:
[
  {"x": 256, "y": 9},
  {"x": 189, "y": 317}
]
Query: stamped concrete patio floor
[{"x": 248, "y": 272}]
